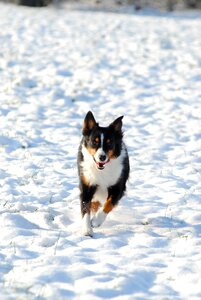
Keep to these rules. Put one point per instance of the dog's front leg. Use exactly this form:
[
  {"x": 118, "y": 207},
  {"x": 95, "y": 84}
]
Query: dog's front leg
[
  {"x": 114, "y": 195},
  {"x": 101, "y": 214},
  {"x": 86, "y": 196}
]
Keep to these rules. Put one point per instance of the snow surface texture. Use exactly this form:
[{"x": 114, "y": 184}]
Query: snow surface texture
[{"x": 56, "y": 65}]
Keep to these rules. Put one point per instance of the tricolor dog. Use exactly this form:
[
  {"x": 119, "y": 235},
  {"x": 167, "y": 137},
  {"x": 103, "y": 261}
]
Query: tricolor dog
[{"x": 103, "y": 167}]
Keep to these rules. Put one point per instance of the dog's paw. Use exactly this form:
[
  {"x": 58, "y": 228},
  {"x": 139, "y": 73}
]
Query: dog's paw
[
  {"x": 98, "y": 219},
  {"x": 87, "y": 232}
]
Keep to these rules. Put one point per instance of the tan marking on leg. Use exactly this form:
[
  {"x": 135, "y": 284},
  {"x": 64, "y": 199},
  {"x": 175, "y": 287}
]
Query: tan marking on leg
[
  {"x": 95, "y": 206},
  {"x": 108, "y": 206}
]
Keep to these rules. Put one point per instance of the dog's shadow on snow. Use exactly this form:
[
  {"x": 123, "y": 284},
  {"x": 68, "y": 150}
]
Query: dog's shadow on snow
[{"x": 113, "y": 227}]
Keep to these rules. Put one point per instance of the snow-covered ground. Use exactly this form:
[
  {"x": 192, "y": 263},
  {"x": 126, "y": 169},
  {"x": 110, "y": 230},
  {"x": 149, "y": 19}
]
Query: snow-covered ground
[{"x": 55, "y": 65}]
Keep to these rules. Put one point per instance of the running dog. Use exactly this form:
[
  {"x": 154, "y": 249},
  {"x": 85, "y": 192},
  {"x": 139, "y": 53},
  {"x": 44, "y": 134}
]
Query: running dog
[{"x": 103, "y": 167}]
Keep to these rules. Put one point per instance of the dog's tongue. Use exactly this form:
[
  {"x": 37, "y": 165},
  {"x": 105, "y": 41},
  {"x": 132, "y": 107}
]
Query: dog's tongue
[{"x": 101, "y": 165}]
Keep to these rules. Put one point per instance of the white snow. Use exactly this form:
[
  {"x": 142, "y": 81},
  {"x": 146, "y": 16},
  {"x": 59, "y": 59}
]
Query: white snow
[{"x": 55, "y": 65}]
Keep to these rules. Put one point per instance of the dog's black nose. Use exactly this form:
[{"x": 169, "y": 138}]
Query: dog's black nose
[{"x": 102, "y": 157}]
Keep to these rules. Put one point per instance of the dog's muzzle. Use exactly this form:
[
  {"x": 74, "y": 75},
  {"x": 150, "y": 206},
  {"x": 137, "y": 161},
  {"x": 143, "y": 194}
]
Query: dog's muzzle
[{"x": 101, "y": 165}]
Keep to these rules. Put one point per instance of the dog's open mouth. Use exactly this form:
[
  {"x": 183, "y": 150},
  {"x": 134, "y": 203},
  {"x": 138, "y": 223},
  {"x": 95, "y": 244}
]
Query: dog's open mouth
[{"x": 101, "y": 165}]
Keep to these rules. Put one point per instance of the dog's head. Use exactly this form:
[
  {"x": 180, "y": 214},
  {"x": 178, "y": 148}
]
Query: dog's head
[{"x": 103, "y": 143}]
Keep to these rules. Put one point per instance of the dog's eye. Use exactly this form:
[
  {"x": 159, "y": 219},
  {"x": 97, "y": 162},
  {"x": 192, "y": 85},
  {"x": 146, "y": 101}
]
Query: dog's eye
[
  {"x": 109, "y": 143},
  {"x": 95, "y": 142}
]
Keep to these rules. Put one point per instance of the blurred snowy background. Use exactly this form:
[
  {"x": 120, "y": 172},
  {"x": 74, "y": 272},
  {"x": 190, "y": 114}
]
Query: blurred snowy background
[{"x": 55, "y": 65}]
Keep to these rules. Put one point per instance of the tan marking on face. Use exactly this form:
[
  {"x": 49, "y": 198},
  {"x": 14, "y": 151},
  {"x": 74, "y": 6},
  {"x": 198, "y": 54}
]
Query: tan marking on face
[
  {"x": 92, "y": 151},
  {"x": 108, "y": 206},
  {"x": 111, "y": 154},
  {"x": 95, "y": 206},
  {"x": 108, "y": 141},
  {"x": 97, "y": 139}
]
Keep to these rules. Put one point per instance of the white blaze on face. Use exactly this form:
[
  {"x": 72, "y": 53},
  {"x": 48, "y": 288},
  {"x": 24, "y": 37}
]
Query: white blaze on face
[{"x": 100, "y": 151}]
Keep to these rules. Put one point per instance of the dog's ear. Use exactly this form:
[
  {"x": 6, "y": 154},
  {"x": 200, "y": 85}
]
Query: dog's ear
[
  {"x": 117, "y": 125},
  {"x": 89, "y": 123}
]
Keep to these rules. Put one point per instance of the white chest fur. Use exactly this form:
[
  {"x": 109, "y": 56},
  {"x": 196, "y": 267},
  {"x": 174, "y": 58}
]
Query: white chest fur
[{"x": 103, "y": 178}]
